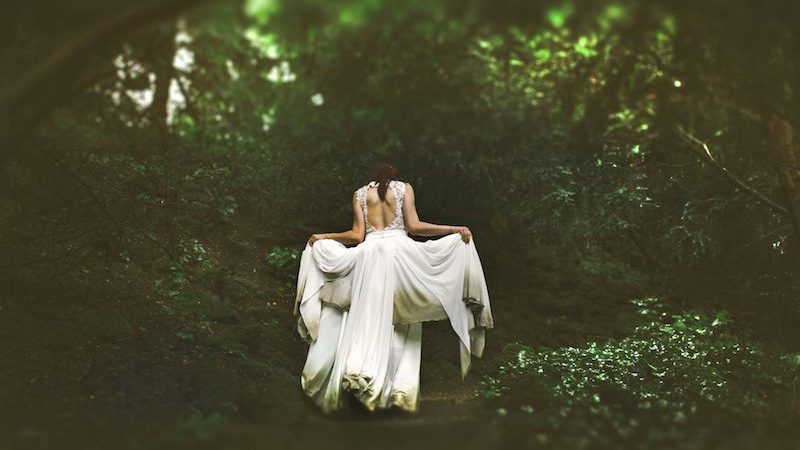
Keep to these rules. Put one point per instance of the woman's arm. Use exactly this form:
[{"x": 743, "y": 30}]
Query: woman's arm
[
  {"x": 355, "y": 235},
  {"x": 420, "y": 228}
]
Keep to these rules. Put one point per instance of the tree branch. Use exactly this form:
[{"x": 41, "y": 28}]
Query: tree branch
[
  {"x": 110, "y": 27},
  {"x": 30, "y": 95},
  {"x": 701, "y": 149}
]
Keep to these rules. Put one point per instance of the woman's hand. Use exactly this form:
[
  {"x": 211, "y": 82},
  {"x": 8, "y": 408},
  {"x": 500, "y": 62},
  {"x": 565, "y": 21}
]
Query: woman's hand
[
  {"x": 315, "y": 238},
  {"x": 465, "y": 234}
]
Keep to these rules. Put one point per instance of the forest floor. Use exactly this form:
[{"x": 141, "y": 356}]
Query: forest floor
[{"x": 98, "y": 359}]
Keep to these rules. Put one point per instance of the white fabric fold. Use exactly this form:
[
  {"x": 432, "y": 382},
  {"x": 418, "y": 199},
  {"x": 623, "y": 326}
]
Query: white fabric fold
[{"x": 371, "y": 300}]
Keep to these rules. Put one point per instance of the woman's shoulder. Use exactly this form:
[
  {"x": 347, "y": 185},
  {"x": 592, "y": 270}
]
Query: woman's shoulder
[
  {"x": 394, "y": 183},
  {"x": 360, "y": 192},
  {"x": 404, "y": 185},
  {"x": 398, "y": 186},
  {"x": 401, "y": 183}
]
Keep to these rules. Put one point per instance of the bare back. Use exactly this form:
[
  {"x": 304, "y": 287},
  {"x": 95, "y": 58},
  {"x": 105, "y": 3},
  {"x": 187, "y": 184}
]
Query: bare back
[{"x": 382, "y": 214}]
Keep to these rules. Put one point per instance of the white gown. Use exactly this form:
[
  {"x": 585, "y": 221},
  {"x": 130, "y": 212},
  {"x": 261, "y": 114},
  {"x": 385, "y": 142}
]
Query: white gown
[{"x": 361, "y": 309}]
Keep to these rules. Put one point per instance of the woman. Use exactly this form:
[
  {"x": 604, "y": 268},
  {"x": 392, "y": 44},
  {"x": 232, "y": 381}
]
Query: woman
[{"x": 361, "y": 308}]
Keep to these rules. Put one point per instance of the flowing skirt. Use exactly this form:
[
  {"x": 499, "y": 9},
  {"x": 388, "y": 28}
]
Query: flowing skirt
[{"x": 361, "y": 310}]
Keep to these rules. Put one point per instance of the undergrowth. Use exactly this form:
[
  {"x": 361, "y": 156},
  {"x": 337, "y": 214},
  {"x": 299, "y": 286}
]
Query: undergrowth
[{"x": 683, "y": 380}]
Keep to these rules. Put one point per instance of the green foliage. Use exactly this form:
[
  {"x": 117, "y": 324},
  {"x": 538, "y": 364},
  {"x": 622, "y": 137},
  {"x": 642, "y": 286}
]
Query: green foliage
[
  {"x": 280, "y": 257},
  {"x": 549, "y": 118},
  {"x": 549, "y": 125},
  {"x": 191, "y": 266},
  {"x": 674, "y": 376},
  {"x": 613, "y": 271},
  {"x": 194, "y": 258},
  {"x": 559, "y": 16}
]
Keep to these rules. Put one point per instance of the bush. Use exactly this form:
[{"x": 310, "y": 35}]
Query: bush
[{"x": 684, "y": 378}]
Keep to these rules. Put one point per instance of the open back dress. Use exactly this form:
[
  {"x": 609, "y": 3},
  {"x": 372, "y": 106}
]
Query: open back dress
[{"x": 361, "y": 309}]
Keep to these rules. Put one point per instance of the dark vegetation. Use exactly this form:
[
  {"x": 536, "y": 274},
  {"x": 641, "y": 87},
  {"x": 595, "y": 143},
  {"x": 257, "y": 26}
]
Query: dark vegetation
[{"x": 629, "y": 170}]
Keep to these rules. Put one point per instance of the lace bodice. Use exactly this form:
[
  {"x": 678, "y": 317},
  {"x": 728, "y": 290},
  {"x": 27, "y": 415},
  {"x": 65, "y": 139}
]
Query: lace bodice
[{"x": 398, "y": 189}]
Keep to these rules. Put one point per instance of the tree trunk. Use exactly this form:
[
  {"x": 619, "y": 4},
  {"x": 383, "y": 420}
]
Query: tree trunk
[
  {"x": 35, "y": 92},
  {"x": 158, "y": 115}
]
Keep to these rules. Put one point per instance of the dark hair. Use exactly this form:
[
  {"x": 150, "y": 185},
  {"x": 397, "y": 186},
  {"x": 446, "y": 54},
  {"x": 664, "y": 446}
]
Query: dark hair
[{"x": 383, "y": 173}]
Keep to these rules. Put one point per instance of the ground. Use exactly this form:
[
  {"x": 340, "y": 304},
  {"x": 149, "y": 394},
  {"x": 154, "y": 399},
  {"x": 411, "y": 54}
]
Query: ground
[{"x": 100, "y": 359}]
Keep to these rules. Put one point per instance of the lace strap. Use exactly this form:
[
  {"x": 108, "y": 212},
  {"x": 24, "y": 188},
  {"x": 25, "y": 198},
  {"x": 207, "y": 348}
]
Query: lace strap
[
  {"x": 361, "y": 196},
  {"x": 399, "y": 188}
]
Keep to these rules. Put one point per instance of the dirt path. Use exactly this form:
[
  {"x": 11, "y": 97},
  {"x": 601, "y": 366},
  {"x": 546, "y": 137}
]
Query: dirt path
[
  {"x": 99, "y": 361},
  {"x": 532, "y": 303}
]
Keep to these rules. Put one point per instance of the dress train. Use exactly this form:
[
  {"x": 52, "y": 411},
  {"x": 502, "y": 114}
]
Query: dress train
[{"x": 360, "y": 308}]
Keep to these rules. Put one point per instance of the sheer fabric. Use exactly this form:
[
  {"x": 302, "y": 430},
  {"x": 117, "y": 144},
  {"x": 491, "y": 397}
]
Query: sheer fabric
[{"x": 361, "y": 308}]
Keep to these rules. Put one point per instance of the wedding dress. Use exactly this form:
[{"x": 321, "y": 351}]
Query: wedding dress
[{"x": 361, "y": 310}]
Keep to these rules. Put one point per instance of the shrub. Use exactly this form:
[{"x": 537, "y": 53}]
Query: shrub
[{"x": 684, "y": 378}]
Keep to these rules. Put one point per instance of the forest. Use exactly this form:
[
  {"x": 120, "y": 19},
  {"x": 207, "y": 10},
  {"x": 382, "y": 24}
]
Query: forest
[{"x": 630, "y": 171}]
